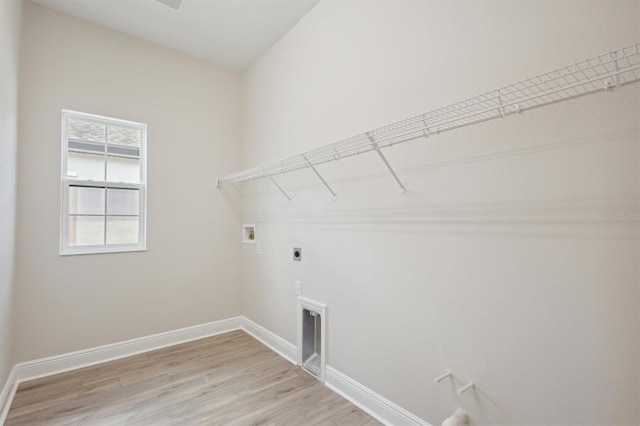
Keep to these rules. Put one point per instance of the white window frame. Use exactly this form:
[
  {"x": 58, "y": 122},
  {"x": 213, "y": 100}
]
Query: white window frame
[{"x": 68, "y": 181}]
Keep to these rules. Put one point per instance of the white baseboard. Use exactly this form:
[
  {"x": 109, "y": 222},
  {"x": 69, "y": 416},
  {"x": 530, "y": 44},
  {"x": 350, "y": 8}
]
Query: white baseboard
[
  {"x": 376, "y": 405},
  {"x": 74, "y": 360},
  {"x": 373, "y": 403},
  {"x": 273, "y": 341},
  {"x": 8, "y": 391}
]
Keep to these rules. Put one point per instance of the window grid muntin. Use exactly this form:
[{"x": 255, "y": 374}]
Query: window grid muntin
[{"x": 68, "y": 181}]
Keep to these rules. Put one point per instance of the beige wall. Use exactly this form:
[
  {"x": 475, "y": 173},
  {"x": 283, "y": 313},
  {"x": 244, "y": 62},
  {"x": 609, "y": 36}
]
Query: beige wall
[
  {"x": 500, "y": 261},
  {"x": 10, "y": 21},
  {"x": 190, "y": 273}
]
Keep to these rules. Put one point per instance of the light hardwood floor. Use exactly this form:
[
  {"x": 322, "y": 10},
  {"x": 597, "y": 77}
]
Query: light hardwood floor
[{"x": 226, "y": 379}]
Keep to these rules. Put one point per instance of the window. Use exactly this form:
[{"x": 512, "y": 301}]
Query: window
[{"x": 103, "y": 184}]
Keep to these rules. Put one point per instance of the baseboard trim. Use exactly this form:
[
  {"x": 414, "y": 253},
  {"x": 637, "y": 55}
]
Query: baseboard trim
[
  {"x": 369, "y": 401},
  {"x": 373, "y": 403},
  {"x": 71, "y": 361},
  {"x": 276, "y": 343},
  {"x": 8, "y": 391}
]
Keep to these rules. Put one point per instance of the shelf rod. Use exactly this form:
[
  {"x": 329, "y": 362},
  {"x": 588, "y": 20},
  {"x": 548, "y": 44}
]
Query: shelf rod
[
  {"x": 516, "y": 109},
  {"x": 279, "y": 187},
  {"x": 320, "y": 177},
  {"x": 614, "y": 69},
  {"x": 386, "y": 163}
]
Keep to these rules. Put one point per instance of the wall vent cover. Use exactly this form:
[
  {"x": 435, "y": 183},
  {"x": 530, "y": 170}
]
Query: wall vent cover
[{"x": 174, "y": 4}]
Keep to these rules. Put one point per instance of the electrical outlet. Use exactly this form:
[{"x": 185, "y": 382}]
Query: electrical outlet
[
  {"x": 298, "y": 288},
  {"x": 258, "y": 248},
  {"x": 297, "y": 254}
]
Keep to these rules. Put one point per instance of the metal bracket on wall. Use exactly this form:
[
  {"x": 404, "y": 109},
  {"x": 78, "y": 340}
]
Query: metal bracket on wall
[
  {"x": 319, "y": 177},
  {"x": 376, "y": 148},
  {"x": 613, "y": 69},
  {"x": 279, "y": 187}
]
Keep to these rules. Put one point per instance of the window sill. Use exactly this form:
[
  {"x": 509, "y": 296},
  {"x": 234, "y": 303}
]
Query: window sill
[{"x": 70, "y": 251}]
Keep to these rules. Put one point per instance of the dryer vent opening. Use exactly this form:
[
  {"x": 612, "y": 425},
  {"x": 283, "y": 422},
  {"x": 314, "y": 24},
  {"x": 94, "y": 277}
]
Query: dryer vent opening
[
  {"x": 311, "y": 341},
  {"x": 311, "y": 336}
]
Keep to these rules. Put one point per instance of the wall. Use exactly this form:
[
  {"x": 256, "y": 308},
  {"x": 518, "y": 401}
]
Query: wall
[
  {"x": 512, "y": 259},
  {"x": 190, "y": 273},
  {"x": 10, "y": 22}
]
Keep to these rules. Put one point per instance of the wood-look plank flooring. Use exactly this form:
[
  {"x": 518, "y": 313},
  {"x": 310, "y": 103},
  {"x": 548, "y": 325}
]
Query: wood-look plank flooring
[{"x": 229, "y": 379}]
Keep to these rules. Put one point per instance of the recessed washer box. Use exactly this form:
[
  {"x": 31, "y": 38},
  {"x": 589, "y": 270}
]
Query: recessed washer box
[{"x": 249, "y": 233}]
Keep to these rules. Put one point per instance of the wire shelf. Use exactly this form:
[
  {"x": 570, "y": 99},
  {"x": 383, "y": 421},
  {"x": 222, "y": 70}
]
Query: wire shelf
[{"x": 602, "y": 73}]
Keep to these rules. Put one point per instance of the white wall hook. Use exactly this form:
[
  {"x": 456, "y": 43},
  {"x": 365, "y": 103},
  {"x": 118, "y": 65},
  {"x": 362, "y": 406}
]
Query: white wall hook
[
  {"x": 441, "y": 378},
  {"x": 465, "y": 388}
]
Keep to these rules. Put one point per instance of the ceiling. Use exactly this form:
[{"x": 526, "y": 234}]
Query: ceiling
[{"x": 233, "y": 33}]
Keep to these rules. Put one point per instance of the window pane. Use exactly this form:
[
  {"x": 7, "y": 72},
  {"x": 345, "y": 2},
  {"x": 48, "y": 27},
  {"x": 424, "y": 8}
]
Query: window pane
[
  {"x": 122, "y": 169},
  {"x": 86, "y": 200},
  {"x": 85, "y": 130},
  {"x": 103, "y": 183},
  {"x": 122, "y": 230},
  {"x": 86, "y": 147},
  {"x": 86, "y": 230},
  {"x": 126, "y": 136},
  {"x": 85, "y": 166},
  {"x": 122, "y": 201}
]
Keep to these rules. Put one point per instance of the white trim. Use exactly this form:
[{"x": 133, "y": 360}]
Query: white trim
[
  {"x": 373, "y": 403},
  {"x": 119, "y": 248},
  {"x": 376, "y": 405},
  {"x": 100, "y": 119},
  {"x": 276, "y": 343},
  {"x": 369, "y": 401},
  {"x": 74, "y": 360},
  {"x": 8, "y": 392}
]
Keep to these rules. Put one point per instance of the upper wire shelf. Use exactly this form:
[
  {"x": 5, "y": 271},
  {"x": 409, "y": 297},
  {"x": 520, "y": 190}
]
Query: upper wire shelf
[{"x": 602, "y": 73}]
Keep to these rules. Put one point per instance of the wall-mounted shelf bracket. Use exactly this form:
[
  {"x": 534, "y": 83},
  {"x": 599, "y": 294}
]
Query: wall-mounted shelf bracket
[
  {"x": 501, "y": 109},
  {"x": 441, "y": 378},
  {"x": 319, "y": 177},
  {"x": 426, "y": 132},
  {"x": 606, "y": 72},
  {"x": 279, "y": 187},
  {"x": 614, "y": 57},
  {"x": 465, "y": 388},
  {"x": 376, "y": 148},
  {"x": 336, "y": 155}
]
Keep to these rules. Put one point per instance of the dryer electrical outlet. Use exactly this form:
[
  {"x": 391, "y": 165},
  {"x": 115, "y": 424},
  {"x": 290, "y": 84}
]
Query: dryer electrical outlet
[{"x": 297, "y": 254}]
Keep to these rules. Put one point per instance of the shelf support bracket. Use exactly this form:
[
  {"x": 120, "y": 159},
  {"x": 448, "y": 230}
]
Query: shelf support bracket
[
  {"x": 425, "y": 131},
  {"x": 501, "y": 108},
  {"x": 279, "y": 187},
  {"x": 614, "y": 56},
  {"x": 319, "y": 177},
  {"x": 336, "y": 156},
  {"x": 376, "y": 148}
]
